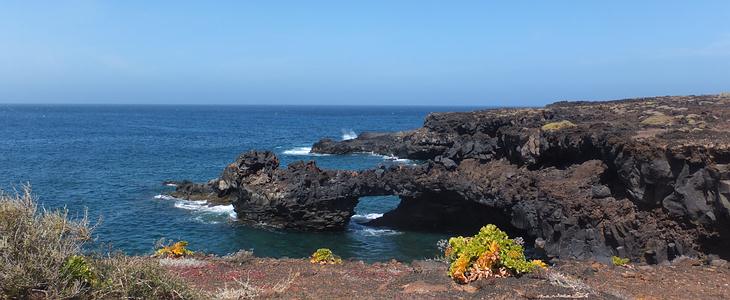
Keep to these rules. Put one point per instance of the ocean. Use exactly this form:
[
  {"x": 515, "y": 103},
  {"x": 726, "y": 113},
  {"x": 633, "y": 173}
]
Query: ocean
[{"x": 110, "y": 162}]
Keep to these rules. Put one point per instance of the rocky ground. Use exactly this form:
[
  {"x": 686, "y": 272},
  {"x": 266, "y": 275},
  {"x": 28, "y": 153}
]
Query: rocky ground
[
  {"x": 647, "y": 179},
  {"x": 299, "y": 279}
]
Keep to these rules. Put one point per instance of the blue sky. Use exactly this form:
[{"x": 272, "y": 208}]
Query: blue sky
[{"x": 360, "y": 52}]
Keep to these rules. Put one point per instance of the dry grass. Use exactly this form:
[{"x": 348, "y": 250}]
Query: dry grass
[
  {"x": 245, "y": 290},
  {"x": 34, "y": 244},
  {"x": 41, "y": 257},
  {"x": 658, "y": 120},
  {"x": 241, "y": 257},
  {"x": 579, "y": 288},
  {"x": 555, "y": 126},
  {"x": 126, "y": 277}
]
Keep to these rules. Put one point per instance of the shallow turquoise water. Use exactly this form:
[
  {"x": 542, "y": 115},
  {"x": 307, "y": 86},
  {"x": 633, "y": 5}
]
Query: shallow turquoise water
[{"x": 111, "y": 160}]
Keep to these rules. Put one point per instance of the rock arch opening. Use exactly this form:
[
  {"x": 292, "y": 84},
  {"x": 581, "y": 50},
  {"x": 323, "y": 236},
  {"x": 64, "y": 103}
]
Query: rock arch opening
[
  {"x": 442, "y": 212},
  {"x": 370, "y": 208}
]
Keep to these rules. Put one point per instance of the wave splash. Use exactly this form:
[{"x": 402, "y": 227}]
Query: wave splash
[
  {"x": 348, "y": 134},
  {"x": 378, "y": 232},
  {"x": 365, "y": 218},
  {"x": 202, "y": 207},
  {"x": 358, "y": 226},
  {"x": 391, "y": 158},
  {"x": 301, "y": 151}
]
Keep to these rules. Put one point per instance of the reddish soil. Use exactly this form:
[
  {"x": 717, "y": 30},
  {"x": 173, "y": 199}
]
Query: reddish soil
[{"x": 299, "y": 279}]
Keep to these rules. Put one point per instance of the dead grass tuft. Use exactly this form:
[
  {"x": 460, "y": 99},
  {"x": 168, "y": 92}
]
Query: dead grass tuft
[
  {"x": 555, "y": 126},
  {"x": 41, "y": 258},
  {"x": 658, "y": 120}
]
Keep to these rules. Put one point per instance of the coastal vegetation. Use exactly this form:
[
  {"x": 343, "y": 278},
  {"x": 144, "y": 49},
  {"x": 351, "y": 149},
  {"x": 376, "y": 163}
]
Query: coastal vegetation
[
  {"x": 618, "y": 261},
  {"x": 174, "y": 250},
  {"x": 490, "y": 253},
  {"x": 555, "y": 126},
  {"x": 41, "y": 256},
  {"x": 325, "y": 256}
]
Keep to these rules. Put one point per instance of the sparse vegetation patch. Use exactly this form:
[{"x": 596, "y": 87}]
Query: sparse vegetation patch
[
  {"x": 619, "y": 261},
  {"x": 555, "y": 126},
  {"x": 41, "y": 258}
]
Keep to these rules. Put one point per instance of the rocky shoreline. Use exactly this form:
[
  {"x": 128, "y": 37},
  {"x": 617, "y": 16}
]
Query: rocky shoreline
[{"x": 647, "y": 179}]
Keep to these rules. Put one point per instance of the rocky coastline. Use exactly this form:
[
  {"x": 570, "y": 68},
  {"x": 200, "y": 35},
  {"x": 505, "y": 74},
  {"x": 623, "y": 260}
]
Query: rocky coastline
[{"x": 647, "y": 179}]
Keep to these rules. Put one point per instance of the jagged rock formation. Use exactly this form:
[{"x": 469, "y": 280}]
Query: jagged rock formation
[{"x": 643, "y": 178}]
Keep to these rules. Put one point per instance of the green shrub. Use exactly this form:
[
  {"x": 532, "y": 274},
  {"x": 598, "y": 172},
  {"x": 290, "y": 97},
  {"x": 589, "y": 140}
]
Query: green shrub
[
  {"x": 78, "y": 268},
  {"x": 325, "y": 256},
  {"x": 490, "y": 253},
  {"x": 618, "y": 261}
]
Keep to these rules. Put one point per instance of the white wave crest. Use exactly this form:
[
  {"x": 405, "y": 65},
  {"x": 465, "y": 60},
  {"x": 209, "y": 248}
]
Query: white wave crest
[
  {"x": 396, "y": 159},
  {"x": 391, "y": 158},
  {"x": 348, "y": 134},
  {"x": 302, "y": 151},
  {"x": 298, "y": 151},
  {"x": 365, "y": 218},
  {"x": 378, "y": 232},
  {"x": 201, "y": 206}
]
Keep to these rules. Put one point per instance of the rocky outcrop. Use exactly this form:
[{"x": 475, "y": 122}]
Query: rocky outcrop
[{"x": 642, "y": 178}]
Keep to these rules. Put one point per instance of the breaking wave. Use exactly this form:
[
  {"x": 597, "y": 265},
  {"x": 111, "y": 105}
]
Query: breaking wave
[
  {"x": 378, "y": 232},
  {"x": 202, "y": 207},
  {"x": 348, "y": 135},
  {"x": 302, "y": 151},
  {"x": 365, "y": 218},
  {"x": 391, "y": 158}
]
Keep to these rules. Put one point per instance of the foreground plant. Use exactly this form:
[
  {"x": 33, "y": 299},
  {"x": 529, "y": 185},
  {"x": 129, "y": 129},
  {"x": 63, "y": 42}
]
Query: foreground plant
[
  {"x": 618, "y": 261},
  {"x": 490, "y": 253},
  {"x": 41, "y": 258},
  {"x": 325, "y": 256},
  {"x": 175, "y": 250}
]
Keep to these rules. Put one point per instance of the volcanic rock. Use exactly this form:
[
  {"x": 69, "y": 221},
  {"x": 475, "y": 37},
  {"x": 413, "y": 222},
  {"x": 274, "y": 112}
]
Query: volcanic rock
[{"x": 647, "y": 179}]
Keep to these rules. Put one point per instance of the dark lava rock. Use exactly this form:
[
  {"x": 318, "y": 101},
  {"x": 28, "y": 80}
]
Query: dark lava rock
[{"x": 647, "y": 179}]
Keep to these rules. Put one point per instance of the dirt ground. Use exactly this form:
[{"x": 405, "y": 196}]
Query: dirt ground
[{"x": 265, "y": 278}]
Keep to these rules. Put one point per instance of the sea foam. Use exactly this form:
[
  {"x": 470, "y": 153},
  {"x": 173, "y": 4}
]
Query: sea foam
[
  {"x": 302, "y": 151},
  {"x": 378, "y": 232},
  {"x": 365, "y": 218},
  {"x": 391, "y": 158},
  {"x": 201, "y": 206},
  {"x": 348, "y": 135}
]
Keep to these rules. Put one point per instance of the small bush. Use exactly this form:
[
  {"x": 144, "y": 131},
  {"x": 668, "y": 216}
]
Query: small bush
[
  {"x": 555, "y": 126},
  {"x": 176, "y": 250},
  {"x": 325, "y": 256},
  {"x": 618, "y": 261},
  {"x": 78, "y": 268},
  {"x": 490, "y": 253}
]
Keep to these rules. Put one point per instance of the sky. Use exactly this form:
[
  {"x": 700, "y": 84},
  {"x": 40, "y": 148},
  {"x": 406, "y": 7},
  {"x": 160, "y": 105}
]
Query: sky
[{"x": 390, "y": 52}]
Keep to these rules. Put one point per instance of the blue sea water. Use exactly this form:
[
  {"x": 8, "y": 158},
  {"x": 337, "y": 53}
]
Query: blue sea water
[{"x": 111, "y": 161}]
